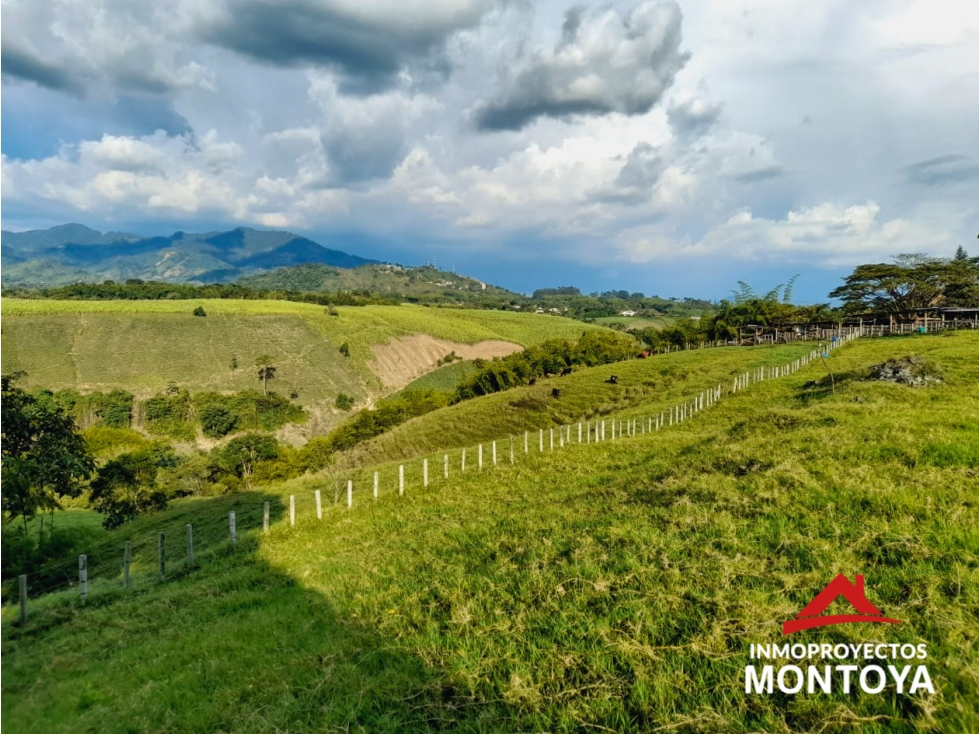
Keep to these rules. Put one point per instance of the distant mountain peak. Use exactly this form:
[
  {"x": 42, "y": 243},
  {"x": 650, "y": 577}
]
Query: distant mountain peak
[{"x": 82, "y": 253}]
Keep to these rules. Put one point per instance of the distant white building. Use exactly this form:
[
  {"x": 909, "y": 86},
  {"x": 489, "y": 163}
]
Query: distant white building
[{"x": 627, "y": 313}]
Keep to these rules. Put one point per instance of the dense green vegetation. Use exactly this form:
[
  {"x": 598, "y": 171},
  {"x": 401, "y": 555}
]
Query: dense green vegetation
[
  {"x": 554, "y": 357},
  {"x": 140, "y": 290},
  {"x": 600, "y": 587}
]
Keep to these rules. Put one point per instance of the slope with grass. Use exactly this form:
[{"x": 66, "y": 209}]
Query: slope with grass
[
  {"x": 644, "y": 386},
  {"x": 140, "y": 346},
  {"x": 611, "y": 587}
]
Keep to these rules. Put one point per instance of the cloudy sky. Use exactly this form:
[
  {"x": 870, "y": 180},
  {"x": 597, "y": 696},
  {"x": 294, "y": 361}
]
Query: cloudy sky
[{"x": 666, "y": 147}]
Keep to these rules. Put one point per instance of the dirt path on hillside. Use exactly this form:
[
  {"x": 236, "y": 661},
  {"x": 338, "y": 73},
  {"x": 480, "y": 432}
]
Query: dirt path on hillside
[{"x": 402, "y": 360}]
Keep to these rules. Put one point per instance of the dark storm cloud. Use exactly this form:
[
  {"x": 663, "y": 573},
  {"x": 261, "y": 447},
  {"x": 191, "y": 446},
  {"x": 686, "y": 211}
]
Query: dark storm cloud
[
  {"x": 760, "y": 174},
  {"x": 603, "y": 63},
  {"x": 368, "y": 49},
  {"x": 22, "y": 65},
  {"x": 944, "y": 169}
]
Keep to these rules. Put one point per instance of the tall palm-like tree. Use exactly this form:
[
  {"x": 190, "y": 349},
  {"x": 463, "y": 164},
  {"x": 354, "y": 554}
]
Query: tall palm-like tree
[{"x": 266, "y": 371}]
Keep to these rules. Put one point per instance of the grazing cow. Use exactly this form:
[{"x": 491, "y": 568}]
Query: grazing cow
[
  {"x": 555, "y": 393},
  {"x": 613, "y": 380},
  {"x": 565, "y": 371},
  {"x": 533, "y": 381}
]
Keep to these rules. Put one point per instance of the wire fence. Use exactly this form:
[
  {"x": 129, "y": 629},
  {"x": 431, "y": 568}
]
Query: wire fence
[{"x": 190, "y": 539}]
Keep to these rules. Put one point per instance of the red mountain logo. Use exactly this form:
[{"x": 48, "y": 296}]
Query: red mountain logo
[{"x": 840, "y": 586}]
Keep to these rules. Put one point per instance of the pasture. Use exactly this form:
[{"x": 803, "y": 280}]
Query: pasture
[{"x": 599, "y": 587}]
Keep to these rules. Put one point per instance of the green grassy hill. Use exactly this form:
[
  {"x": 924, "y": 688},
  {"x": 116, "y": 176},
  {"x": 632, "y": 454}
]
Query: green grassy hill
[
  {"x": 643, "y": 387},
  {"x": 611, "y": 587},
  {"x": 140, "y": 346}
]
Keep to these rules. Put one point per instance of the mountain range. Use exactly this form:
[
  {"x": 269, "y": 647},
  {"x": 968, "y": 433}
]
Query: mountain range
[{"x": 72, "y": 253}]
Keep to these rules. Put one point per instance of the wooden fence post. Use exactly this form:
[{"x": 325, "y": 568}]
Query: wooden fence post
[
  {"x": 190, "y": 545},
  {"x": 494, "y": 453},
  {"x": 292, "y": 510},
  {"x": 376, "y": 482},
  {"x": 561, "y": 437},
  {"x": 552, "y": 439},
  {"x": 541, "y": 440},
  {"x": 83, "y": 577},
  {"x": 233, "y": 528},
  {"x": 479, "y": 459},
  {"x": 445, "y": 465},
  {"x": 579, "y": 431},
  {"x": 22, "y": 584},
  {"x": 127, "y": 558},
  {"x": 265, "y": 518},
  {"x": 511, "y": 449},
  {"x": 162, "y": 554},
  {"x": 401, "y": 479},
  {"x": 424, "y": 472},
  {"x": 526, "y": 442},
  {"x": 319, "y": 506},
  {"x": 350, "y": 493},
  {"x": 463, "y": 463}
]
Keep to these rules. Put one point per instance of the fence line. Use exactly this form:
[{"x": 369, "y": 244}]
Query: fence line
[{"x": 588, "y": 431}]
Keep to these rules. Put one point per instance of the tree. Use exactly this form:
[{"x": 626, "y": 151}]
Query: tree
[
  {"x": 126, "y": 487},
  {"x": 43, "y": 457},
  {"x": 961, "y": 254},
  {"x": 242, "y": 453},
  {"x": 266, "y": 371},
  {"x": 910, "y": 284}
]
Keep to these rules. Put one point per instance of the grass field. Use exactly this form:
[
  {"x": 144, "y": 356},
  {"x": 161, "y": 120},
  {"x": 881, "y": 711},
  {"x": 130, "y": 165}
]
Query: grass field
[
  {"x": 444, "y": 379},
  {"x": 612, "y": 587},
  {"x": 648, "y": 385},
  {"x": 140, "y": 346}
]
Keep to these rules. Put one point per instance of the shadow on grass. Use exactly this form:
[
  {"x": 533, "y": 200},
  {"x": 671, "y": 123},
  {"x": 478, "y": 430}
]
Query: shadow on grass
[{"x": 229, "y": 643}]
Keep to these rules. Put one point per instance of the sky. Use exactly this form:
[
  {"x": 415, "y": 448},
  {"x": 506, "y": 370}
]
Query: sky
[{"x": 671, "y": 148}]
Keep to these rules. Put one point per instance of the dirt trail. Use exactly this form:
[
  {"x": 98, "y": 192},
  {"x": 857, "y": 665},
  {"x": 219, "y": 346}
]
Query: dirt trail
[{"x": 402, "y": 360}]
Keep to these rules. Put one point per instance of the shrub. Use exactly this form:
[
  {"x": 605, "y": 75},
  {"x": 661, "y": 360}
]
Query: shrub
[
  {"x": 217, "y": 421},
  {"x": 345, "y": 349},
  {"x": 199, "y": 311},
  {"x": 344, "y": 402}
]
